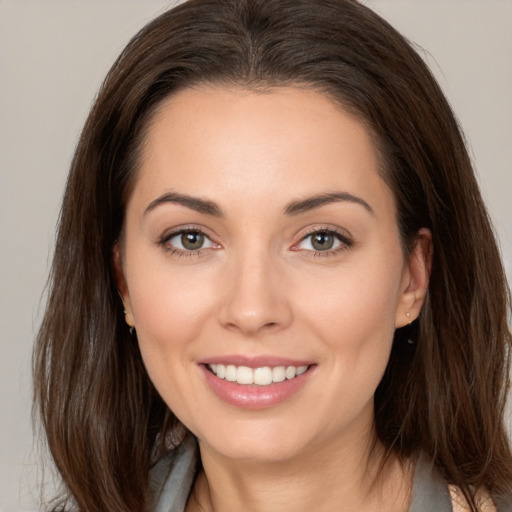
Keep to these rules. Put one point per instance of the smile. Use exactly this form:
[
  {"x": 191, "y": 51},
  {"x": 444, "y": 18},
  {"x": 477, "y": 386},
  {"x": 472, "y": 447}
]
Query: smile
[
  {"x": 262, "y": 376},
  {"x": 257, "y": 383}
]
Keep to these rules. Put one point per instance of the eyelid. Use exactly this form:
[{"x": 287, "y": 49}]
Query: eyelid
[
  {"x": 168, "y": 235},
  {"x": 345, "y": 239}
]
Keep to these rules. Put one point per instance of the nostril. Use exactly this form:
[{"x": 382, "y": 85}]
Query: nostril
[{"x": 250, "y": 313}]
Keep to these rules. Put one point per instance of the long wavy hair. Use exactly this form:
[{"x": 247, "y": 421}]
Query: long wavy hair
[{"x": 444, "y": 396}]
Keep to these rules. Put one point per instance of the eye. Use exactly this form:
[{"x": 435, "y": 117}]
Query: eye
[
  {"x": 188, "y": 240},
  {"x": 324, "y": 240}
]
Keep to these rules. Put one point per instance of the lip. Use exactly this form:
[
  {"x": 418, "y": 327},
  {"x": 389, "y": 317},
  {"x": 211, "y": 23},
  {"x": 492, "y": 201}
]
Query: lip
[
  {"x": 253, "y": 396},
  {"x": 256, "y": 361}
]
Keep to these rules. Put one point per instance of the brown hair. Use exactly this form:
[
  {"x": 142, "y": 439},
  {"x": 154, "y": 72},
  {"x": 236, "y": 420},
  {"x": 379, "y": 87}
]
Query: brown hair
[{"x": 443, "y": 396}]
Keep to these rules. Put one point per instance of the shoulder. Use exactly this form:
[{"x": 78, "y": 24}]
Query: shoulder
[
  {"x": 430, "y": 491},
  {"x": 459, "y": 503}
]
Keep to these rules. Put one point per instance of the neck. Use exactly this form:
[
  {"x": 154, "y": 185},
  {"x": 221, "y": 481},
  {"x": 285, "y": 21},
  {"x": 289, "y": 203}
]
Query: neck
[{"x": 354, "y": 480}]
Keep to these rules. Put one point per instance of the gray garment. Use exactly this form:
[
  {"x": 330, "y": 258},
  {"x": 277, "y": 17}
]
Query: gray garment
[
  {"x": 171, "y": 480},
  {"x": 429, "y": 490},
  {"x": 173, "y": 477}
]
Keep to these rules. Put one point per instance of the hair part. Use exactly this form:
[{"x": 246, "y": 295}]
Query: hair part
[{"x": 444, "y": 396}]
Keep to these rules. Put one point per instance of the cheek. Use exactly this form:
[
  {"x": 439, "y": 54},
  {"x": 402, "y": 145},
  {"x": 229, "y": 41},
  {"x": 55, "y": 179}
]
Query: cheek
[
  {"x": 353, "y": 312},
  {"x": 354, "y": 318},
  {"x": 169, "y": 307},
  {"x": 165, "y": 299}
]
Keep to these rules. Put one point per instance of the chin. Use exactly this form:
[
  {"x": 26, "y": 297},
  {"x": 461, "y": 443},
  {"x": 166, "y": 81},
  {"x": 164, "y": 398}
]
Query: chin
[{"x": 255, "y": 443}]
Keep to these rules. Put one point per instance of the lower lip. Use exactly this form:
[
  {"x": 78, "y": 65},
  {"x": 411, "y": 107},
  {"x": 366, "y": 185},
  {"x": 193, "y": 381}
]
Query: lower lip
[{"x": 253, "y": 396}]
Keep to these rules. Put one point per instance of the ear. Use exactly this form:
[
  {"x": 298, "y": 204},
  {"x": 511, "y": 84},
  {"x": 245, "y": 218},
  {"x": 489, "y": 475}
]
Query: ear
[
  {"x": 122, "y": 287},
  {"x": 415, "y": 279}
]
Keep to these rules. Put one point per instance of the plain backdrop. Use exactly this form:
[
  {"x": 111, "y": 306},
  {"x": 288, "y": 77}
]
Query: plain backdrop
[{"x": 53, "y": 57}]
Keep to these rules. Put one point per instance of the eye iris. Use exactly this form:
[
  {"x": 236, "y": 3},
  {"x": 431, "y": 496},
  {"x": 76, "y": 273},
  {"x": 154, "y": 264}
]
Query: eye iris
[
  {"x": 322, "y": 241},
  {"x": 192, "y": 240}
]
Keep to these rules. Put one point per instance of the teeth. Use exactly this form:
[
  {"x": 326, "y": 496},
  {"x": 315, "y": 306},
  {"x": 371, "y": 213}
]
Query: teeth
[
  {"x": 231, "y": 373},
  {"x": 279, "y": 373},
  {"x": 261, "y": 376},
  {"x": 244, "y": 375},
  {"x": 301, "y": 370},
  {"x": 290, "y": 372},
  {"x": 220, "y": 371}
]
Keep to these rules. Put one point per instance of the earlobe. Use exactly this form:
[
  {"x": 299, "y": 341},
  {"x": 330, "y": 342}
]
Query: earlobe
[
  {"x": 122, "y": 288},
  {"x": 417, "y": 278}
]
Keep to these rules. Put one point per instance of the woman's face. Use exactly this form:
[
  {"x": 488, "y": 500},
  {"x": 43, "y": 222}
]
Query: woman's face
[{"x": 261, "y": 243}]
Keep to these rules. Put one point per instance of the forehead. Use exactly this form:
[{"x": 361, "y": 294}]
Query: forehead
[{"x": 235, "y": 143}]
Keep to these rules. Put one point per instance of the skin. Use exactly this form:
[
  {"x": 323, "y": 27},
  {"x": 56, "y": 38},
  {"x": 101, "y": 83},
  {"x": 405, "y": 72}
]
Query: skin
[{"x": 259, "y": 287}]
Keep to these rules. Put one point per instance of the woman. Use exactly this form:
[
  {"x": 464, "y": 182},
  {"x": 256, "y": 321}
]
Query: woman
[{"x": 275, "y": 285}]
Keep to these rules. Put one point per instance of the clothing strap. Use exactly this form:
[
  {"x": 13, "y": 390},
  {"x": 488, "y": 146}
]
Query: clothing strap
[
  {"x": 172, "y": 477},
  {"x": 429, "y": 491}
]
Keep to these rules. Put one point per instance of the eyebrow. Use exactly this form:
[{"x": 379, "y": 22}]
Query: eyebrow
[
  {"x": 207, "y": 207},
  {"x": 194, "y": 203},
  {"x": 311, "y": 203}
]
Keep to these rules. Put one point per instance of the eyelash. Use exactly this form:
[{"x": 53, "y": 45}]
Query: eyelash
[
  {"x": 346, "y": 242},
  {"x": 173, "y": 251}
]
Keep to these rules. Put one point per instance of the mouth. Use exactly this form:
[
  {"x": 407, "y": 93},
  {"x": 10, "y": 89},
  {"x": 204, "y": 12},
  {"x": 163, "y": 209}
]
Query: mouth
[
  {"x": 261, "y": 376},
  {"x": 256, "y": 383}
]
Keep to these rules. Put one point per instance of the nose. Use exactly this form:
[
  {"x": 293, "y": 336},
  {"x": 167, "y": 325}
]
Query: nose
[{"x": 255, "y": 298}]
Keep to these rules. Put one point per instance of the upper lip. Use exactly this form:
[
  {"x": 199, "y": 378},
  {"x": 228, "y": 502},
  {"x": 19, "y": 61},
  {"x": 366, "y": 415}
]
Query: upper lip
[{"x": 256, "y": 361}]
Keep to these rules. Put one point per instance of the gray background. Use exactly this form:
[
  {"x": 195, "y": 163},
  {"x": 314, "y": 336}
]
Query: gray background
[{"x": 53, "y": 56}]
